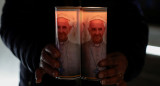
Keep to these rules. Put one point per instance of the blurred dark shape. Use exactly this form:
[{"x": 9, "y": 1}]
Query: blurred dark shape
[{"x": 151, "y": 9}]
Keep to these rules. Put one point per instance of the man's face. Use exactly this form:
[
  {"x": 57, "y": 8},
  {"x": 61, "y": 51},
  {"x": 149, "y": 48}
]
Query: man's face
[
  {"x": 63, "y": 29},
  {"x": 96, "y": 30}
]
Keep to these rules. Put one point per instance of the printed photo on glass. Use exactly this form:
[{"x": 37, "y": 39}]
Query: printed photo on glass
[
  {"x": 68, "y": 42},
  {"x": 94, "y": 32}
]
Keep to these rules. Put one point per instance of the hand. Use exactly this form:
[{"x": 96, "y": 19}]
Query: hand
[
  {"x": 48, "y": 63},
  {"x": 116, "y": 65}
]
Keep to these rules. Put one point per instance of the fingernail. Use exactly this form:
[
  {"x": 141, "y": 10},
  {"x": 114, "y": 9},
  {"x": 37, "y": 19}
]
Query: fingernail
[
  {"x": 38, "y": 81},
  {"x": 55, "y": 74},
  {"x": 102, "y": 82},
  {"x": 101, "y": 75},
  {"x": 56, "y": 54}
]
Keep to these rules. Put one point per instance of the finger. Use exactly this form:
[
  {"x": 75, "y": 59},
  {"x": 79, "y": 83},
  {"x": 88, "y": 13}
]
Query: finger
[
  {"x": 111, "y": 81},
  {"x": 109, "y": 72},
  {"x": 48, "y": 69},
  {"x": 111, "y": 60},
  {"x": 103, "y": 63},
  {"x": 108, "y": 62},
  {"x": 117, "y": 56},
  {"x": 50, "y": 61},
  {"x": 52, "y": 50},
  {"x": 39, "y": 74}
]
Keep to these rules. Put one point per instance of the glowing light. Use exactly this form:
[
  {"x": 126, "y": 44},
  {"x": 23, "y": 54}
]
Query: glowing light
[
  {"x": 9, "y": 81},
  {"x": 153, "y": 50}
]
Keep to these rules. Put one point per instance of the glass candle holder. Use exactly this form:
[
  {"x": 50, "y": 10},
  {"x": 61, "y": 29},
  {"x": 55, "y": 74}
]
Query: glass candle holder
[
  {"x": 81, "y": 37},
  {"x": 94, "y": 40},
  {"x": 68, "y": 42}
]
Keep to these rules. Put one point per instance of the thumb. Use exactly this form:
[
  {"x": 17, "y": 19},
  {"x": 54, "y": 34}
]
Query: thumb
[{"x": 39, "y": 74}]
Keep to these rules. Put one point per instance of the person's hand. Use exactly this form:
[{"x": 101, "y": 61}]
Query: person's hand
[
  {"x": 48, "y": 63},
  {"x": 116, "y": 65}
]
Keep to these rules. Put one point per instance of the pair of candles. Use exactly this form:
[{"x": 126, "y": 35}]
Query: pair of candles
[{"x": 81, "y": 39}]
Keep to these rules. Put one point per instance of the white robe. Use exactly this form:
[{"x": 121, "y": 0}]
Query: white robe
[
  {"x": 91, "y": 55},
  {"x": 70, "y": 58}
]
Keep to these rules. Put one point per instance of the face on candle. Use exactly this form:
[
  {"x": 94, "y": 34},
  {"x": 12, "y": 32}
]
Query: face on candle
[
  {"x": 96, "y": 30},
  {"x": 63, "y": 29}
]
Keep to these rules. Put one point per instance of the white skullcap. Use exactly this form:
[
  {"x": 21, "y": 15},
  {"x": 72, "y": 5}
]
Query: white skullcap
[
  {"x": 70, "y": 18},
  {"x": 97, "y": 17}
]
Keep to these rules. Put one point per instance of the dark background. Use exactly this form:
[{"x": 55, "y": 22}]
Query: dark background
[
  {"x": 150, "y": 75},
  {"x": 151, "y": 9}
]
